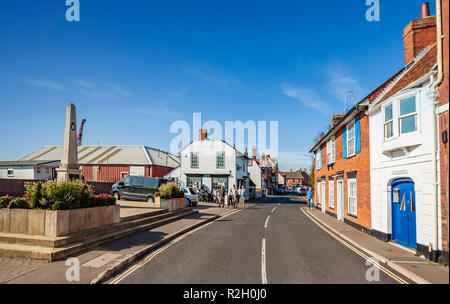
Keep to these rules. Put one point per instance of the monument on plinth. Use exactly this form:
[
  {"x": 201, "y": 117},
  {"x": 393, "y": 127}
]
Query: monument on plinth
[{"x": 69, "y": 168}]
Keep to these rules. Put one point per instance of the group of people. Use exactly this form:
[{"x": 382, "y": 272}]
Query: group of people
[{"x": 234, "y": 197}]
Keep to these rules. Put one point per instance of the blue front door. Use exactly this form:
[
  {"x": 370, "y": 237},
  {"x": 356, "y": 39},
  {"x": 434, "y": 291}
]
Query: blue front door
[{"x": 403, "y": 198}]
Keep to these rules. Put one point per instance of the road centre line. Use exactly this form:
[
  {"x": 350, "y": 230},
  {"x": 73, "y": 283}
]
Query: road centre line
[
  {"x": 263, "y": 262},
  {"x": 267, "y": 221},
  {"x": 273, "y": 209}
]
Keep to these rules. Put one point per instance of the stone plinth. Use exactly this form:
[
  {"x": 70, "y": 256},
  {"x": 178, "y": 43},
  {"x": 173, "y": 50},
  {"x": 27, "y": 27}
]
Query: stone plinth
[{"x": 57, "y": 223}]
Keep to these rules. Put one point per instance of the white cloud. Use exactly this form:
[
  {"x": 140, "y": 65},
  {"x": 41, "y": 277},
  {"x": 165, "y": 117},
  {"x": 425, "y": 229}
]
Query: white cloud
[
  {"x": 104, "y": 89},
  {"x": 307, "y": 96},
  {"x": 340, "y": 80},
  {"x": 45, "y": 83},
  {"x": 212, "y": 77}
]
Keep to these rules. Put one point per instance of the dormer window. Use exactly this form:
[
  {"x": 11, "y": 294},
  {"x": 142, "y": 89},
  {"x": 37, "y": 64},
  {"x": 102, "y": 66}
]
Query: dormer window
[{"x": 408, "y": 115}]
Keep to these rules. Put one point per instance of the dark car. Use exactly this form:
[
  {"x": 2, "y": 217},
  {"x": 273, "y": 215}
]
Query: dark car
[{"x": 137, "y": 188}]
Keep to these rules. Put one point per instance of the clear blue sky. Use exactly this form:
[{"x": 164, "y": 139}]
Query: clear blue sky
[{"x": 133, "y": 67}]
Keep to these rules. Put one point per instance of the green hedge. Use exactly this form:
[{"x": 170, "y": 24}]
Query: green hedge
[{"x": 53, "y": 195}]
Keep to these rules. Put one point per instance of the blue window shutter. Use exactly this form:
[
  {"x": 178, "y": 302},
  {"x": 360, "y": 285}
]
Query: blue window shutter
[
  {"x": 357, "y": 136},
  {"x": 344, "y": 143}
]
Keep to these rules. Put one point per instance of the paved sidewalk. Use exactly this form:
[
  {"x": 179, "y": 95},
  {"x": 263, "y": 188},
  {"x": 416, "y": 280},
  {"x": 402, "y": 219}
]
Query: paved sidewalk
[
  {"x": 419, "y": 270},
  {"x": 97, "y": 260}
]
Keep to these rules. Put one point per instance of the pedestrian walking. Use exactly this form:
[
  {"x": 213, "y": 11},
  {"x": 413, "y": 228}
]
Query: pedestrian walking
[
  {"x": 230, "y": 197},
  {"x": 242, "y": 199},
  {"x": 310, "y": 198},
  {"x": 221, "y": 196}
]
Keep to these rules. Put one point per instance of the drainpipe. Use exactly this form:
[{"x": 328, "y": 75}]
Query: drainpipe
[{"x": 434, "y": 94}]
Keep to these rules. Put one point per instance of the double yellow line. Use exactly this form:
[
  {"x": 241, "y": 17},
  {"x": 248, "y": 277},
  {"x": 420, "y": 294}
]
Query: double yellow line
[{"x": 357, "y": 251}]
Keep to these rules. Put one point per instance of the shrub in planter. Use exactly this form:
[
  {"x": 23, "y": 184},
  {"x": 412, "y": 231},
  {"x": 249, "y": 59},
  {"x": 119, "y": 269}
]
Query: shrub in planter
[
  {"x": 5, "y": 200},
  {"x": 170, "y": 190},
  {"x": 103, "y": 199},
  {"x": 60, "y": 195},
  {"x": 18, "y": 203}
]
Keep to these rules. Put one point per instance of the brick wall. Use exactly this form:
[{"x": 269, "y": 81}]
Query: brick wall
[
  {"x": 417, "y": 35},
  {"x": 443, "y": 126},
  {"x": 15, "y": 187},
  {"x": 359, "y": 163}
]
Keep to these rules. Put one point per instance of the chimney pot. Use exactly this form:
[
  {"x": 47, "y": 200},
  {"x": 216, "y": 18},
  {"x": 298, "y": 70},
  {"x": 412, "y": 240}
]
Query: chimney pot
[{"x": 425, "y": 10}]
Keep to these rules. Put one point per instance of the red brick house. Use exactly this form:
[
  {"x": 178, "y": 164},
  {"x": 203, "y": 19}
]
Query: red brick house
[
  {"x": 295, "y": 178},
  {"x": 342, "y": 169}
]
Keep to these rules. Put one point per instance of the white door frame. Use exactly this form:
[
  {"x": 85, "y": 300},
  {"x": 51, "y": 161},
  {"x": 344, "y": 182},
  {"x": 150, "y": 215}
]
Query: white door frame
[
  {"x": 322, "y": 194},
  {"x": 340, "y": 198}
]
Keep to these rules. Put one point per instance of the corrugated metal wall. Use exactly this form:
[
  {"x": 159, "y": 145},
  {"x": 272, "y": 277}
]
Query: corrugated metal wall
[{"x": 113, "y": 173}]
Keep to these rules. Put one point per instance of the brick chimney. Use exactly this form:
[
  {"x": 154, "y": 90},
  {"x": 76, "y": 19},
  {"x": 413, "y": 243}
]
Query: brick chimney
[
  {"x": 419, "y": 34},
  {"x": 202, "y": 134},
  {"x": 254, "y": 153},
  {"x": 336, "y": 119}
]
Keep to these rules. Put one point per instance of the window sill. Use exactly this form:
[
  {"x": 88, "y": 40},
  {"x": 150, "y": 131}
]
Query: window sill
[{"x": 352, "y": 215}]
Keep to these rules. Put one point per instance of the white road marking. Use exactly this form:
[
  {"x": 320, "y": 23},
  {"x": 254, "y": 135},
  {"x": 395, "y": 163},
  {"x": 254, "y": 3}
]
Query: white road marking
[
  {"x": 147, "y": 259},
  {"x": 273, "y": 209},
  {"x": 267, "y": 221},
  {"x": 263, "y": 262}
]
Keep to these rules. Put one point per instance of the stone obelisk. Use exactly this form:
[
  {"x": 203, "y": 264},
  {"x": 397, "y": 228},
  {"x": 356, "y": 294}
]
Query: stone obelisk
[{"x": 69, "y": 168}]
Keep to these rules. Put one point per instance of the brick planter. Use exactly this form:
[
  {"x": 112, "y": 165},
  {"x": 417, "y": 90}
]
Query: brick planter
[
  {"x": 56, "y": 223},
  {"x": 171, "y": 204}
]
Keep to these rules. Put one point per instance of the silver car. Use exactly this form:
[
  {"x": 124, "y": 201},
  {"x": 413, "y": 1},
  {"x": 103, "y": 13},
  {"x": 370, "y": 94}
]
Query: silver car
[{"x": 190, "y": 196}]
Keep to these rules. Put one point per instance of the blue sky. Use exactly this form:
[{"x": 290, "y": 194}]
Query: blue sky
[{"x": 133, "y": 67}]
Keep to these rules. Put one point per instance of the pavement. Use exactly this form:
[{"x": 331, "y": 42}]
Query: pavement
[
  {"x": 403, "y": 260},
  {"x": 275, "y": 239},
  {"x": 270, "y": 242},
  {"x": 96, "y": 263}
]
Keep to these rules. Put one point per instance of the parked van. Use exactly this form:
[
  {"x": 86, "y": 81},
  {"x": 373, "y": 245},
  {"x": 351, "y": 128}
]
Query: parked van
[{"x": 137, "y": 188}]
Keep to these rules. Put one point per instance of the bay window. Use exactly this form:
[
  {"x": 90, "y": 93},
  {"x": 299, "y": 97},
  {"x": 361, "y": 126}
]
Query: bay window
[
  {"x": 408, "y": 115},
  {"x": 388, "y": 122}
]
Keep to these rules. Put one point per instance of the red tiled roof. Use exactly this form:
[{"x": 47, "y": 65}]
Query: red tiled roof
[{"x": 415, "y": 72}]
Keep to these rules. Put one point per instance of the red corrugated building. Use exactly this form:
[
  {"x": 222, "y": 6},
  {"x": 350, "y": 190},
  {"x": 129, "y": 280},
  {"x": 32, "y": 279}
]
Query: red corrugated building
[{"x": 111, "y": 163}]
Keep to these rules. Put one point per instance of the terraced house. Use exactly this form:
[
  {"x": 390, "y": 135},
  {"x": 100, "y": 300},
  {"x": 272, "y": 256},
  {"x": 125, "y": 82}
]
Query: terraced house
[
  {"x": 378, "y": 168},
  {"x": 342, "y": 169}
]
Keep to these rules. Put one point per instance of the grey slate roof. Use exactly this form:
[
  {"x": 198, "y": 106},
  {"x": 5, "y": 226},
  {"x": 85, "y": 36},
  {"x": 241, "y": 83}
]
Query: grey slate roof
[{"x": 113, "y": 155}]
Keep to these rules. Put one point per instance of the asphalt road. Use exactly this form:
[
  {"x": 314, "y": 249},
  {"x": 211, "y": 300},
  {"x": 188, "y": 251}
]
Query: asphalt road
[{"x": 251, "y": 247}]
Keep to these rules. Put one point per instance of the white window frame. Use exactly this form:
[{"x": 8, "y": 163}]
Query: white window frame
[
  {"x": 319, "y": 196},
  {"x": 391, "y": 121},
  {"x": 355, "y": 197},
  {"x": 331, "y": 151},
  {"x": 217, "y": 160},
  {"x": 400, "y": 117},
  {"x": 331, "y": 194},
  {"x": 350, "y": 138},
  {"x": 8, "y": 172},
  {"x": 318, "y": 160},
  {"x": 192, "y": 158}
]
